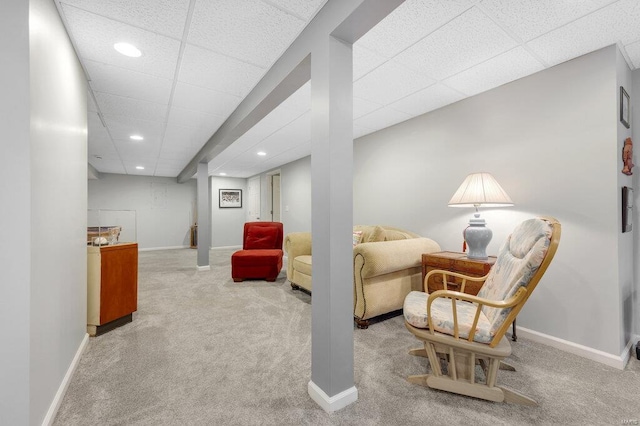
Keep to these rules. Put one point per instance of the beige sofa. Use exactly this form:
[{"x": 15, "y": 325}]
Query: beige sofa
[{"x": 387, "y": 265}]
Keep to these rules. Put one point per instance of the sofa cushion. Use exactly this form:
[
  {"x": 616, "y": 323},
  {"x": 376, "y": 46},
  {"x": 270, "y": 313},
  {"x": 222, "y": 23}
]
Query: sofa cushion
[
  {"x": 395, "y": 234},
  {"x": 261, "y": 237},
  {"x": 302, "y": 264}
]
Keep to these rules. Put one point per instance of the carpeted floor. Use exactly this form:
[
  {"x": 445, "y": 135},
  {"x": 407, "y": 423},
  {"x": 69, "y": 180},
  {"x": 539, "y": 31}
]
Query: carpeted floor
[{"x": 202, "y": 350}]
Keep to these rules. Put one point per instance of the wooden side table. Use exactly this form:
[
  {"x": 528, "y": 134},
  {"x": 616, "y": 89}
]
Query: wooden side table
[{"x": 456, "y": 262}]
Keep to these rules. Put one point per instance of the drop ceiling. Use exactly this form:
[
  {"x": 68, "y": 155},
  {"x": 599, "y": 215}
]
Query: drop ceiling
[{"x": 200, "y": 58}]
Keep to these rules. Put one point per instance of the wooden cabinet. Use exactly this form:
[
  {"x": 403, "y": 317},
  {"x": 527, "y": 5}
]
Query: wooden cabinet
[
  {"x": 112, "y": 286},
  {"x": 455, "y": 262}
]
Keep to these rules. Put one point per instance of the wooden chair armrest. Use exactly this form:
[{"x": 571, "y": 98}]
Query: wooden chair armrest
[
  {"x": 446, "y": 274},
  {"x": 517, "y": 298},
  {"x": 450, "y": 294}
]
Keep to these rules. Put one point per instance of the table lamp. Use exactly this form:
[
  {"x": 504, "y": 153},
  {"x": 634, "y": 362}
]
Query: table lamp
[{"x": 479, "y": 189}]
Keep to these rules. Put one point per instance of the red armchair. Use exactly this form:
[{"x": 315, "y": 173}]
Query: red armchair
[{"x": 261, "y": 254}]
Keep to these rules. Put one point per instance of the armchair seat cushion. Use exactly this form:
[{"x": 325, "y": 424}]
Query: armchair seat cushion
[
  {"x": 259, "y": 257},
  {"x": 302, "y": 264},
  {"x": 415, "y": 313}
]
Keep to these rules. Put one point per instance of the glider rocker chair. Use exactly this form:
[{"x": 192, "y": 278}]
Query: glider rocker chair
[
  {"x": 461, "y": 331},
  {"x": 261, "y": 254}
]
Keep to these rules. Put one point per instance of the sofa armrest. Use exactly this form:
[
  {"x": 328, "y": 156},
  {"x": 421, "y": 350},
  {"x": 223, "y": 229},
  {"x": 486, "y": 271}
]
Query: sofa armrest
[
  {"x": 384, "y": 257},
  {"x": 296, "y": 244}
]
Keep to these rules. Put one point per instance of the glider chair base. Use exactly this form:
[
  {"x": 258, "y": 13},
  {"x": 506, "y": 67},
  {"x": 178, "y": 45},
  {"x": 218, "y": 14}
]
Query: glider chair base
[{"x": 459, "y": 358}]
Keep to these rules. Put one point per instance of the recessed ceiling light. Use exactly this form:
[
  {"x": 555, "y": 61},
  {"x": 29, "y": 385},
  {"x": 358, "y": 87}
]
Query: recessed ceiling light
[
  {"x": 140, "y": 167},
  {"x": 136, "y": 137},
  {"x": 262, "y": 153},
  {"x": 223, "y": 174},
  {"x": 127, "y": 49}
]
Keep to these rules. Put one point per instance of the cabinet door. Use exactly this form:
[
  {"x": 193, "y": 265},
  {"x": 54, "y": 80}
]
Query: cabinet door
[{"x": 119, "y": 281}]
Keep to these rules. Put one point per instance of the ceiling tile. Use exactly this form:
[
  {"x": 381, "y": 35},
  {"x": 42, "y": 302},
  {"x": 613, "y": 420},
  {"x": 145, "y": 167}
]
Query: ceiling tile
[
  {"x": 166, "y": 17},
  {"x": 530, "y": 19},
  {"x": 137, "y": 149},
  {"x": 120, "y": 81},
  {"x": 202, "y": 67},
  {"x": 108, "y": 166},
  {"x": 433, "y": 97},
  {"x": 204, "y": 100},
  {"x": 167, "y": 171},
  {"x": 95, "y": 36},
  {"x": 238, "y": 28},
  {"x": 381, "y": 118},
  {"x": 207, "y": 123},
  {"x": 502, "y": 69},
  {"x": 149, "y": 166},
  {"x": 389, "y": 82},
  {"x": 612, "y": 24},
  {"x": 364, "y": 61},
  {"x": 121, "y": 127},
  {"x": 180, "y": 138},
  {"x": 131, "y": 108},
  {"x": 363, "y": 107},
  {"x": 303, "y": 9},
  {"x": 464, "y": 42},
  {"x": 411, "y": 21},
  {"x": 633, "y": 50}
]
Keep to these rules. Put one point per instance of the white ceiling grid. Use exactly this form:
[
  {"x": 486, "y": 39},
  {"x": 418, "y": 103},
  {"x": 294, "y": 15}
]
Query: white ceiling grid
[{"x": 202, "y": 57}]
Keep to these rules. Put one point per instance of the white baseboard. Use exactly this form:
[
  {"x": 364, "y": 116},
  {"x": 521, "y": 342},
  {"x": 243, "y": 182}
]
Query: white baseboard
[
  {"x": 162, "y": 248},
  {"x": 57, "y": 400},
  {"x": 333, "y": 403},
  {"x": 204, "y": 268},
  {"x": 614, "y": 361},
  {"x": 227, "y": 248}
]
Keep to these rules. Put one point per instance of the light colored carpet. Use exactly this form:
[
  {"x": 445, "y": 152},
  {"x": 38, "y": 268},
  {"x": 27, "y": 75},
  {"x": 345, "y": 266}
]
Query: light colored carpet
[{"x": 203, "y": 350}]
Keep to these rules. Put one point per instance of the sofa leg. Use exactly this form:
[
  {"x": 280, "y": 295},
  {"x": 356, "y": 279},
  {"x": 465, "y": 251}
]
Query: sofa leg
[
  {"x": 362, "y": 324},
  {"x": 237, "y": 280},
  {"x": 294, "y": 286}
]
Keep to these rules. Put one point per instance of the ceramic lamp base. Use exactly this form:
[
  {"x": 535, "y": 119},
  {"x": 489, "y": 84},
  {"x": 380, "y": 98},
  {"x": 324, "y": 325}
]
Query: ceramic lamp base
[{"x": 477, "y": 236}]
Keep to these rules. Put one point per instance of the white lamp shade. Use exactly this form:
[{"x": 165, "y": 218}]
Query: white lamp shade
[{"x": 480, "y": 189}]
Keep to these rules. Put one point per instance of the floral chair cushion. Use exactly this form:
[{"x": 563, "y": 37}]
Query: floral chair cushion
[
  {"x": 415, "y": 312},
  {"x": 518, "y": 259}
]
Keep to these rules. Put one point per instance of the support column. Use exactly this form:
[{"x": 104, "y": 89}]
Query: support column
[
  {"x": 332, "y": 382},
  {"x": 204, "y": 216}
]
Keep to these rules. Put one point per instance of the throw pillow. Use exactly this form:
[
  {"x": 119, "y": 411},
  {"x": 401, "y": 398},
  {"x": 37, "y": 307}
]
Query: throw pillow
[{"x": 357, "y": 236}]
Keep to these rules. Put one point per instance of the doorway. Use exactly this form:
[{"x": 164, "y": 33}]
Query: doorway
[
  {"x": 275, "y": 197},
  {"x": 253, "y": 199}
]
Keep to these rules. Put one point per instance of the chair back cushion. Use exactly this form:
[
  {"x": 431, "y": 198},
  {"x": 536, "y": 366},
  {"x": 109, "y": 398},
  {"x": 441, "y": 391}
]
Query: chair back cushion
[
  {"x": 262, "y": 235},
  {"x": 518, "y": 259}
]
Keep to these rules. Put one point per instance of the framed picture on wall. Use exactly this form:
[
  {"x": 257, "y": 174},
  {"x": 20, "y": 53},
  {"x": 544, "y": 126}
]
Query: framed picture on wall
[
  {"x": 230, "y": 198},
  {"x": 624, "y": 107},
  {"x": 627, "y": 209}
]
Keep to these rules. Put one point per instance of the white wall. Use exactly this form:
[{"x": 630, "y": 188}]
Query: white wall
[
  {"x": 296, "y": 195},
  {"x": 625, "y": 240},
  {"x": 15, "y": 244},
  {"x": 551, "y": 141},
  {"x": 164, "y": 208},
  {"x": 58, "y": 206},
  {"x": 227, "y": 224},
  {"x": 635, "y": 130}
]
